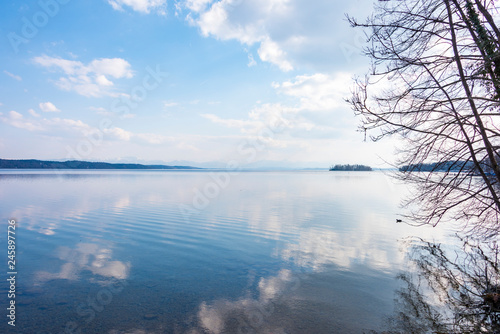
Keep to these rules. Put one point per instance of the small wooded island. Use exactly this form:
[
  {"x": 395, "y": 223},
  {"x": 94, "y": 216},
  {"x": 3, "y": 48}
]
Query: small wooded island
[
  {"x": 75, "y": 164},
  {"x": 349, "y": 168}
]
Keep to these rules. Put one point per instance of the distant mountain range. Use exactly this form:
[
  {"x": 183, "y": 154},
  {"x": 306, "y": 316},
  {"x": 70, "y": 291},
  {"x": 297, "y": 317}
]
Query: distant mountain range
[
  {"x": 257, "y": 165},
  {"x": 75, "y": 164}
]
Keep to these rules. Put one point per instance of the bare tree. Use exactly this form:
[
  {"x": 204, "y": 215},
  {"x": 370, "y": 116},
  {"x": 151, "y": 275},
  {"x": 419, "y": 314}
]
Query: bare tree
[{"x": 435, "y": 82}]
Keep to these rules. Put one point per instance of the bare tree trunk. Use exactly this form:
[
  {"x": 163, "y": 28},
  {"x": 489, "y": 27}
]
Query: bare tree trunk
[{"x": 479, "y": 122}]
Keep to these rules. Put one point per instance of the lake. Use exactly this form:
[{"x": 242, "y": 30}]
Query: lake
[{"x": 203, "y": 251}]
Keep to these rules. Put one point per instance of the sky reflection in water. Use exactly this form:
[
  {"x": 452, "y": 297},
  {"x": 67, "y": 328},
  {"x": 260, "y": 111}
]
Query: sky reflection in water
[{"x": 271, "y": 252}]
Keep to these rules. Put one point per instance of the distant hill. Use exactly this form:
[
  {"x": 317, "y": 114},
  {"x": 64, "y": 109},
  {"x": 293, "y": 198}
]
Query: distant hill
[
  {"x": 451, "y": 167},
  {"x": 446, "y": 166},
  {"x": 353, "y": 168},
  {"x": 75, "y": 164}
]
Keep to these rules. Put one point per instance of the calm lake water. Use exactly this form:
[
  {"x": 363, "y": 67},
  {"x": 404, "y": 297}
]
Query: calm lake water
[{"x": 202, "y": 252}]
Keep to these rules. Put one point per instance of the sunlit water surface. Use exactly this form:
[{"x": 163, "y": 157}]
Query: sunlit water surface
[{"x": 203, "y": 252}]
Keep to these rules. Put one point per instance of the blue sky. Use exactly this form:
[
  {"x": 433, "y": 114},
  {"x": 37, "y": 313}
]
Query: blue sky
[{"x": 186, "y": 80}]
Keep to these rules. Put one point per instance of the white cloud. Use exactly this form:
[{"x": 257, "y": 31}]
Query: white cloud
[
  {"x": 17, "y": 120},
  {"x": 70, "y": 67},
  {"x": 154, "y": 139},
  {"x": 53, "y": 125},
  {"x": 119, "y": 133},
  {"x": 316, "y": 109},
  {"x": 310, "y": 119},
  {"x": 290, "y": 34},
  {"x": 142, "y": 6},
  {"x": 91, "y": 80},
  {"x": 197, "y": 5},
  {"x": 98, "y": 109},
  {"x": 271, "y": 52},
  {"x": 170, "y": 104},
  {"x": 318, "y": 91},
  {"x": 251, "y": 60},
  {"x": 103, "y": 81},
  {"x": 115, "y": 67},
  {"x": 48, "y": 107},
  {"x": 13, "y": 76},
  {"x": 15, "y": 115},
  {"x": 76, "y": 128},
  {"x": 232, "y": 123},
  {"x": 217, "y": 21},
  {"x": 104, "y": 112},
  {"x": 67, "y": 125},
  {"x": 33, "y": 113}
]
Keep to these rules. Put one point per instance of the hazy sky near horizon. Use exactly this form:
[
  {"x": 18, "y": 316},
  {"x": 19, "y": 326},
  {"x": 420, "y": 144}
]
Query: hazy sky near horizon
[{"x": 197, "y": 80}]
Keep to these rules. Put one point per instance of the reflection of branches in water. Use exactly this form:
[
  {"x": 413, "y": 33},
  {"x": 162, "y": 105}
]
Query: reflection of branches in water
[{"x": 450, "y": 293}]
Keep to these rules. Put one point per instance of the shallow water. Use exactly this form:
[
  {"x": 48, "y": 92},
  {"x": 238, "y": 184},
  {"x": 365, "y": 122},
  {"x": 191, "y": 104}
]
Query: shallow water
[{"x": 203, "y": 251}]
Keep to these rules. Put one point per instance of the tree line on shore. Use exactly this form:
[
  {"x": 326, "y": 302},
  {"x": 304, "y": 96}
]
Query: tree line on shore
[{"x": 41, "y": 164}]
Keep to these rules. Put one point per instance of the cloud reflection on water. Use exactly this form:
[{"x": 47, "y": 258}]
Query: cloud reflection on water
[
  {"x": 85, "y": 257},
  {"x": 257, "y": 314}
]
